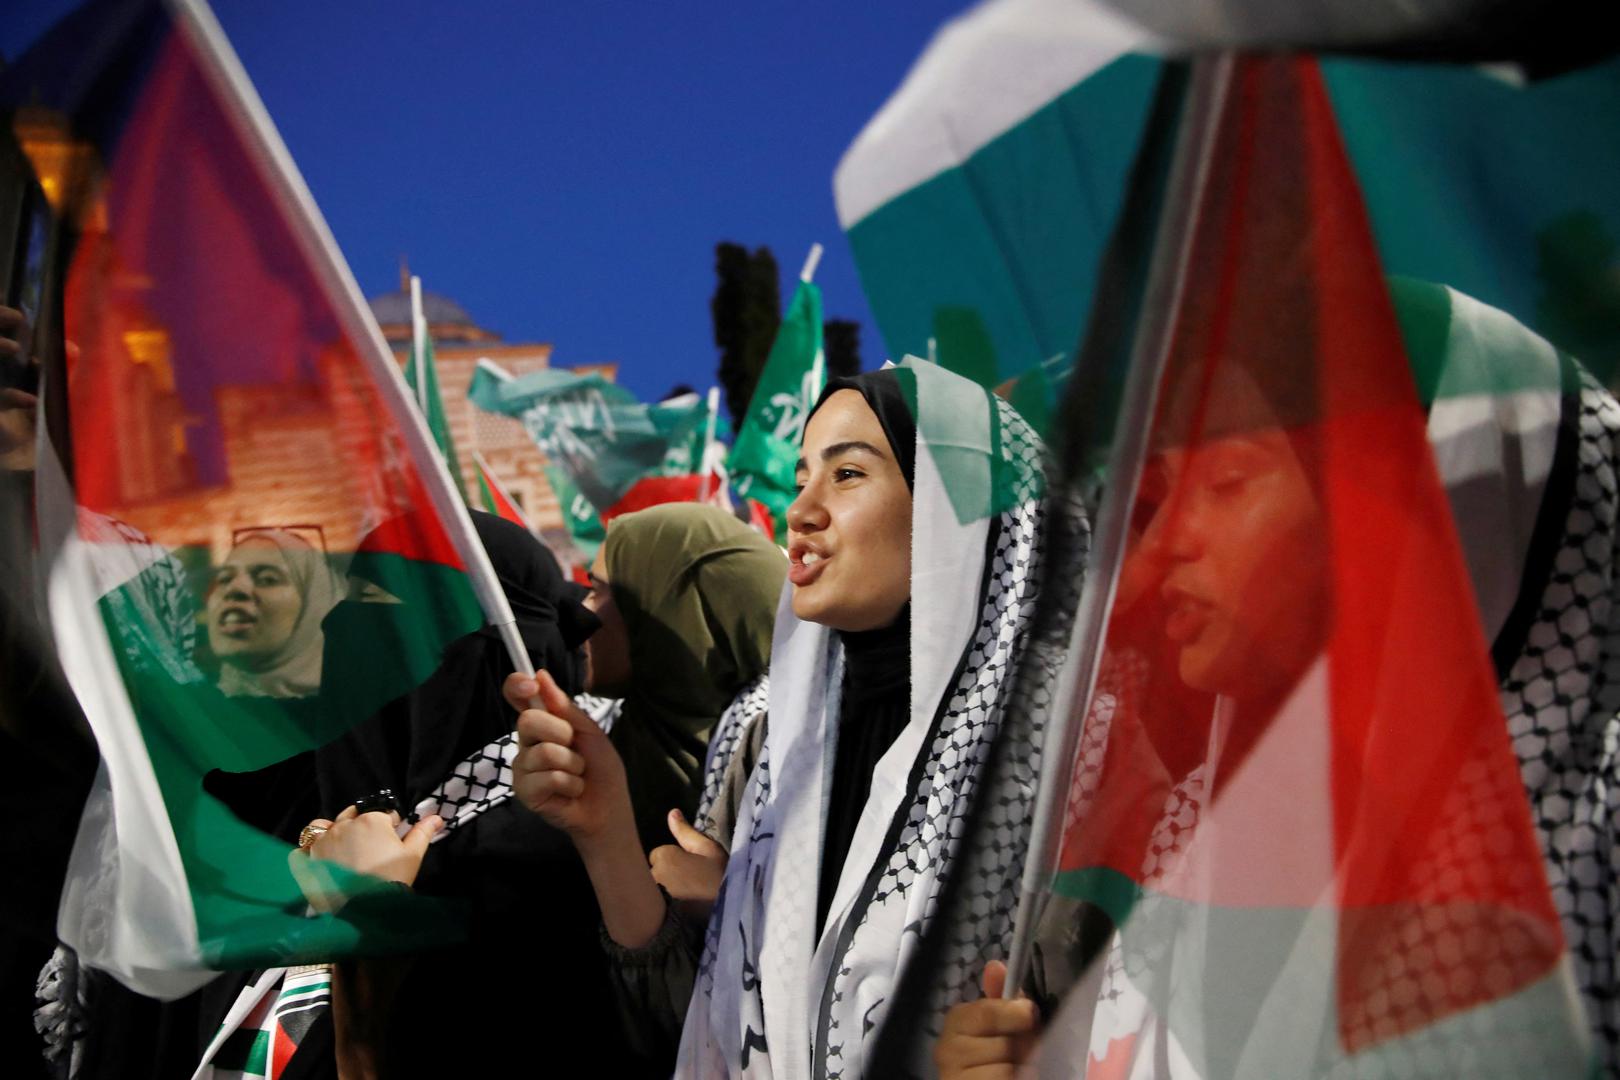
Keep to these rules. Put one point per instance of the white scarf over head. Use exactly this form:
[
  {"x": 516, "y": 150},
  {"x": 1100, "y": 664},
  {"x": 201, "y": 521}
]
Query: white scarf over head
[
  {"x": 772, "y": 999},
  {"x": 294, "y": 669}
]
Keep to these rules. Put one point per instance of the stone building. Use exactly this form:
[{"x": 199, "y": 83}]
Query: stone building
[
  {"x": 458, "y": 344},
  {"x": 266, "y": 448}
]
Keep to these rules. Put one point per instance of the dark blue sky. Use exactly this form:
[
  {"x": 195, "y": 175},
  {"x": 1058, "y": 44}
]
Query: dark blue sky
[{"x": 565, "y": 170}]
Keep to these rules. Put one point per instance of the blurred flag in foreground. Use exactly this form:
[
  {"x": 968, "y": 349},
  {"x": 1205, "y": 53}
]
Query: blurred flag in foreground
[
  {"x": 767, "y": 446},
  {"x": 1296, "y": 801},
  {"x": 232, "y": 474},
  {"x": 1296, "y": 839},
  {"x": 979, "y": 200}
]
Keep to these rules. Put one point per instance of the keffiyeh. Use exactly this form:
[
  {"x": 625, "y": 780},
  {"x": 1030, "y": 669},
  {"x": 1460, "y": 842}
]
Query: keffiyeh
[{"x": 772, "y": 1000}]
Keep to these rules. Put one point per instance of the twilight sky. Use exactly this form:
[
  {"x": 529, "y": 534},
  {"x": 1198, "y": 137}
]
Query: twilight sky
[{"x": 565, "y": 170}]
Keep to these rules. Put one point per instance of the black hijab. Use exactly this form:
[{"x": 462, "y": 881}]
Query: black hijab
[
  {"x": 875, "y": 701},
  {"x": 508, "y": 870},
  {"x": 891, "y": 393},
  {"x": 412, "y": 743}
]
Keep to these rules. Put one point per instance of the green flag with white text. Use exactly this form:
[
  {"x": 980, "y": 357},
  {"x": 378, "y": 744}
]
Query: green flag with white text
[
  {"x": 584, "y": 524},
  {"x": 767, "y": 446},
  {"x": 600, "y": 440}
]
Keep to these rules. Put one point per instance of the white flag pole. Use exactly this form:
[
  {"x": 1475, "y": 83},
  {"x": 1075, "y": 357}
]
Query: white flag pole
[
  {"x": 419, "y": 343},
  {"x": 1076, "y": 683},
  {"x": 220, "y": 63},
  {"x": 811, "y": 261}
]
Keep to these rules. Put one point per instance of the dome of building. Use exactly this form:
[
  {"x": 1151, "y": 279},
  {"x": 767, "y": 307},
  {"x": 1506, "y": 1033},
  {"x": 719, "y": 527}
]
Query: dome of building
[{"x": 395, "y": 307}]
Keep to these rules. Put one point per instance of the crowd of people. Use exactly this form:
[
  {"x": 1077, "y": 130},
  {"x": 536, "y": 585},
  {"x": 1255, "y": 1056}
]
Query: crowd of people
[{"x": 723, "y": 811}]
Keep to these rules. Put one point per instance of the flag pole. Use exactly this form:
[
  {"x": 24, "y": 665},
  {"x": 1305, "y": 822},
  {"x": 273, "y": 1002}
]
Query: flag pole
[
  {"x": 708, "y": 442},
  {"x": 221, "y": 64},
  {"x": 811, "y": 261},
  {"x": 1167, "y": 278},
  {"x": 419, "y": 344}
]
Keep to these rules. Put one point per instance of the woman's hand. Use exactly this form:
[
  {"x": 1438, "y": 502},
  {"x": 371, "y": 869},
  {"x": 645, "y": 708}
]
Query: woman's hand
[
  {"x": 690, "y": 869},
  {"x": 566, "y": 770},
  {"x": 987, "y": 1039},
  {"x": 369, "y": 844}
]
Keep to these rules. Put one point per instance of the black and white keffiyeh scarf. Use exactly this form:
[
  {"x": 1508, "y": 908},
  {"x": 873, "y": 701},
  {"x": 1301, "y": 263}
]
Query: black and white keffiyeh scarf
[
  {"x": 772, "y": 1000},
  {"x": 1527, "y": 443},
  {"x": 1532, "y": 477},
  {"x": 1561, "y": 695}
]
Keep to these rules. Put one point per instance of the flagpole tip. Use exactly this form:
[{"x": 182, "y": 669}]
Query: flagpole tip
[{"x": 810, "y": 263}]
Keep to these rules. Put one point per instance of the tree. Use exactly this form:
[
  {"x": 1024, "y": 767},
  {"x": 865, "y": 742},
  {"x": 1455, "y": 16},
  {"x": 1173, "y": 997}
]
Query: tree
[
  {"x": 841, "y": 346},
  {"x": 747, "y": 309}
]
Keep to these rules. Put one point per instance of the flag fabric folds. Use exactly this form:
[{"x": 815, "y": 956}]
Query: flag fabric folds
[
  {"x": 252, "y": 545},
  {"x": 599, "y": 439},
  {"x": 1294, "y": 637},
  {"x": 1297, "y": 841},
  {"x": 979, "y": 200},
  {"x": 767, "y": 446}
]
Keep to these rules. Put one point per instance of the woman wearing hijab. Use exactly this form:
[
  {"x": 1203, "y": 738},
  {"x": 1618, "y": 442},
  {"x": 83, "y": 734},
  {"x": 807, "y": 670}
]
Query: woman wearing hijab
[
  {"x": 265, "y": 606},
  {"x": 912, "y": 552},
  {"x": 688, "y": 611},
  {"x": 1527, "y": 444},
  {"x": 496, "y": 862},
  {"x": 686, "y": 595}
]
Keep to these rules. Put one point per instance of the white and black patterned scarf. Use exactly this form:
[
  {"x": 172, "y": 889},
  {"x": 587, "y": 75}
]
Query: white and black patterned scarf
[
  {"x": 772, "y": 1000},
  {"x": 1532, "y": 477}
]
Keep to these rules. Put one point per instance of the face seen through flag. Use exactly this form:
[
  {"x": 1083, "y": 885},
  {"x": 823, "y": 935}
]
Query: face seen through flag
[
  {"x": 1295, "y": 800},
  {"x": 240, "y": 454}
]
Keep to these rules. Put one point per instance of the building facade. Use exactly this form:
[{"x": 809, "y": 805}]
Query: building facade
[{"x": 458, "y": 345}]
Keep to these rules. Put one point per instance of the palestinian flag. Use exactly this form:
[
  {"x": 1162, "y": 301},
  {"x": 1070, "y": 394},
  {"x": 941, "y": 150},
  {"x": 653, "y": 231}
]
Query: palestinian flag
[
  {"x": 600, "y": 440},
  {"x": 767, "y": 445},
  {"x": 495, "y": 497},
  {"x": 980, "y": 199},
  {"x": 1296, "y": 807},
  {"x": 422, "y": 376},
  {"x": 264, "y": 1027},
  {"x": 231, "y": 454}
]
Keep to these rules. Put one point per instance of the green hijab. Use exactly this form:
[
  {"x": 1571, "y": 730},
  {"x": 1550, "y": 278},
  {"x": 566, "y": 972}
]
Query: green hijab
[{"x": 697, "y": 590}]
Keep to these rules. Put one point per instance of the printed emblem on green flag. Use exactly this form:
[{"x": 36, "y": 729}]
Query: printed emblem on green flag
[
  {"x": 599, "y": 438},
  {"x": 584, "y": 524}
]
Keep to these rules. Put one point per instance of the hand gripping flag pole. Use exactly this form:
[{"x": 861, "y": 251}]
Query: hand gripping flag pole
[{"x": 1189, "y": 173}]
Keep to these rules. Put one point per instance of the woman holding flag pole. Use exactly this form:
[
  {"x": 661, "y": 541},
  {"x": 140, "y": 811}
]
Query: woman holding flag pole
[
  {"x": 1512, "y": 471},
  {"x": 913, "y": 541}
]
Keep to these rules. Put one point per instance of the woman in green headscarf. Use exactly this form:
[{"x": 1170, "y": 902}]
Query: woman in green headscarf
[{"x": 687, "y": 597}]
